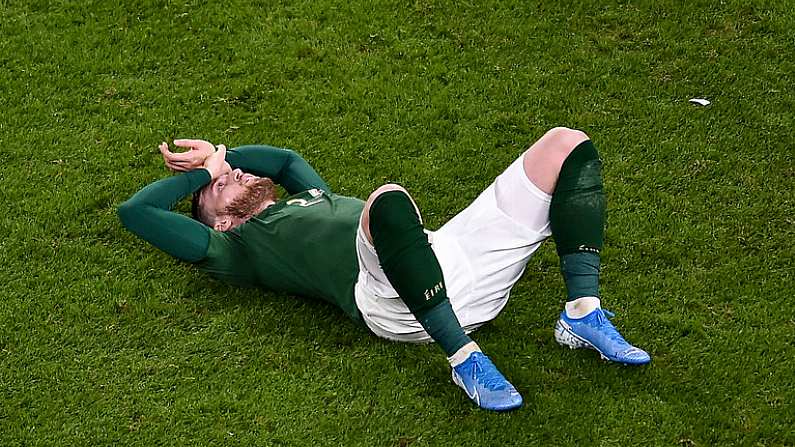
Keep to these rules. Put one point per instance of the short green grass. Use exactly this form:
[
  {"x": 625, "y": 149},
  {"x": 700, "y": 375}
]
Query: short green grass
[{"x": 104, "y": 340}]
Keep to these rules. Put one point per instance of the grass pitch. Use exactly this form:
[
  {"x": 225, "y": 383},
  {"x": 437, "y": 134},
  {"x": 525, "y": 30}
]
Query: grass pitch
[{"x": 104, "y": 340}]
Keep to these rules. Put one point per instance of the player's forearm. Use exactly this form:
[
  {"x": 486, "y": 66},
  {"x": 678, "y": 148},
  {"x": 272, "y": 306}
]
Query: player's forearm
[
  {"x": 283, "y": 166},
  {"x": 148, "y": 215}
]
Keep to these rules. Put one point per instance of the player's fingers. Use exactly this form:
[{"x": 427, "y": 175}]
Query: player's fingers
[
  {"x": 176, "y": 167},
  {"x": 187, "y": 142},
  {"x": 183, "y": 142},
  {"x": 164, "y": 148},
  {"x": 174, "y": 156},
  {"x": 180, "y": 162},
  {"x": 181, "y": 156}
]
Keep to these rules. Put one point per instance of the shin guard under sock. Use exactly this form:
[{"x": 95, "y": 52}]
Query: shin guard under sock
[
  {"x": 577, "y": 216},
  {"x": 412, "y": 268}
]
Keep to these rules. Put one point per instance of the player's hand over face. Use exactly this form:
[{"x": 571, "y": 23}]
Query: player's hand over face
[
  {"x": 197, "y": 152},
  {"x": 216, "y": 163}
]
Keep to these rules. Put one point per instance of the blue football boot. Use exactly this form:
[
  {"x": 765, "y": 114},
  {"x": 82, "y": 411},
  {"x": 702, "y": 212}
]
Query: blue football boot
[
  {"x": 485, "y": 385},
  {"x": 595, "y": 331}
]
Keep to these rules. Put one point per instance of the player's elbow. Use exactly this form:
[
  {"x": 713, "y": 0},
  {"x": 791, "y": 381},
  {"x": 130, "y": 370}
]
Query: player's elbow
[
  {"x": 127, "y": 212},
  {"x": 291, "y": 156}
]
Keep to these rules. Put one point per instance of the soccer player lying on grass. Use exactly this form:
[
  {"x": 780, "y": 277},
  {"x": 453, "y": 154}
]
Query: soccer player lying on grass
[{"x": 374, "y": 259}]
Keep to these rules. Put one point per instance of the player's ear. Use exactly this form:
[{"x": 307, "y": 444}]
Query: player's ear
[{"x": 222, "y": 223}]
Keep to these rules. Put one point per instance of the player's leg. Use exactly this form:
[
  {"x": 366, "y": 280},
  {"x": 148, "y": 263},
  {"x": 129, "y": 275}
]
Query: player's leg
[
  {"x": 392, "y": 223},
  {"x": 565, "y": 164}
]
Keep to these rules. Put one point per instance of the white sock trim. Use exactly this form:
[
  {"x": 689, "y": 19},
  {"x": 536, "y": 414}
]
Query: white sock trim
[
  {"x": 582, "y": 306},
  {"x": 463, "y": 353}
]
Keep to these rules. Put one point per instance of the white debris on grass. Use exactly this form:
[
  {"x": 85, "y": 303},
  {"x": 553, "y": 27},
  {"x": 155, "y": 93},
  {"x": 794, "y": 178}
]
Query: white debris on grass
[{"x": 699, "y": 101}]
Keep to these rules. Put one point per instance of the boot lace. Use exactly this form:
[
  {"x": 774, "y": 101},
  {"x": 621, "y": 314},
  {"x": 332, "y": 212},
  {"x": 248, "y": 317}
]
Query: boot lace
[{"x": 607, "y": 328}]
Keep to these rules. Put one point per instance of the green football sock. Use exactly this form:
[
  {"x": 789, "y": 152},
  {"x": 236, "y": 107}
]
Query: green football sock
[
  {"x": 412, "y": 268},
  {"x": 581, "y": 274},
  {"x": 577, "y": 219}
]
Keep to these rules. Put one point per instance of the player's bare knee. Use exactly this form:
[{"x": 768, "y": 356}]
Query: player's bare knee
[
  {"x": 563, "y": 139},
  {"x": 544, "y": 159},
  {"x": 556, "y": 144},
  {"x": 382, "y": 189}
]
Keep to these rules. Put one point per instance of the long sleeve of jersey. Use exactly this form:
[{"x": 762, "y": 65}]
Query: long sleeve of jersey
[
  {"x": 148, "y": 214},
  {"x": 283, "y": 166}
]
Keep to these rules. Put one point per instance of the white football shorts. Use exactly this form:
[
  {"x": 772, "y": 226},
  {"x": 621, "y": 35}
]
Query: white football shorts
[{"x": 483, "y": 252}]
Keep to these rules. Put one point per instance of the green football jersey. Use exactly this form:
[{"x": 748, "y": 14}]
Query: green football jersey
[{"x": 304, "y": 245}]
